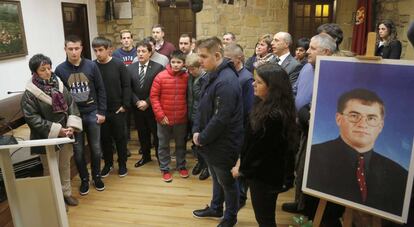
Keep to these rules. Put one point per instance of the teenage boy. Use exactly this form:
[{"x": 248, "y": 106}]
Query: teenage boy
[
  {"x": 127, "y": 52},
  {"x": 142, "y": 74},
  {"x": 217, "y": 129},
  {"x": 118, "y": 94},
  {"x": 168, "y": 99},
  {"x": 82, "y": 78}
]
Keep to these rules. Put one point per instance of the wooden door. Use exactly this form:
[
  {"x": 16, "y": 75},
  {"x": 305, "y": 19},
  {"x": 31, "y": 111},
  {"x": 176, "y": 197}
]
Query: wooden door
[
  {"x": 75, "y": 22},
  {"x": 177, "y": 21}
]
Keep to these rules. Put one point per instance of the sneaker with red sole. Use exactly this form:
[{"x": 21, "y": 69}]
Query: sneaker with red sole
[
  {"x": 183, "y": 172},
  {"x": 166, "y": 176}
]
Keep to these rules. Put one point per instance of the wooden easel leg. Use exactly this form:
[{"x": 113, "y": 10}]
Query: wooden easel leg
[
  {"x": 347, "y": 217},
  {"x": 319, "y": 213}
]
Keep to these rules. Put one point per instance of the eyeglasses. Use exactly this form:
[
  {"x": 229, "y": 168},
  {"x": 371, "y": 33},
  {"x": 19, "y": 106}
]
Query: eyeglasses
[{"x": 371, "y": 120}]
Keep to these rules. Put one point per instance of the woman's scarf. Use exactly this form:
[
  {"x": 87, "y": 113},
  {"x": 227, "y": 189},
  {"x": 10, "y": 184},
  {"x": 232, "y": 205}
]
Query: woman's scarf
[
  {"x": 51, "y": 88},
  {"x": 263, "y": 60}
]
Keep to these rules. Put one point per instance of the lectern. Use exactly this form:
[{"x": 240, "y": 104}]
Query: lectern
[{"x": 35, "y": 201}]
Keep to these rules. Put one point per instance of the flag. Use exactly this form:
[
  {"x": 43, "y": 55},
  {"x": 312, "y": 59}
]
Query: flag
[{"x": 362, "y": 25}]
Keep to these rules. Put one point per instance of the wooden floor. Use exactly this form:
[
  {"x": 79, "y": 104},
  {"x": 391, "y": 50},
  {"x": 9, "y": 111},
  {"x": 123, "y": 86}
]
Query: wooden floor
[{"x": 143, "y": 199}]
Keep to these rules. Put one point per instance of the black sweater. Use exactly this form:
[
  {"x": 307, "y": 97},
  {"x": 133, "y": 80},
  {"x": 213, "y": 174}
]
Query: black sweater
[{"x": 117, "y": 84}]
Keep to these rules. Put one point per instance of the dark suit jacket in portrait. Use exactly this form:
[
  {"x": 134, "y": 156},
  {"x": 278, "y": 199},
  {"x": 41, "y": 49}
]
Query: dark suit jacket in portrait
[
  {"x": 292, "y": 67},
  {"x": 143, "y": 93},
  {"x": 332, "y": 170}
]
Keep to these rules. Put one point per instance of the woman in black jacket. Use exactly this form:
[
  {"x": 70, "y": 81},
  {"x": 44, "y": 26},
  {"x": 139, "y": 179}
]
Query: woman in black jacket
[
  {"x": 387, "y": 46},
  {"x": 50, "y": 112},
  {"x": 268, "y": 139}
]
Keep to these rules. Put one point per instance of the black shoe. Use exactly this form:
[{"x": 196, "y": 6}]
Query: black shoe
[
  {"x": 84, "y": 187},
  {"x": 142, "y": 162},
  {"x": 123, "y": 171},
  {"x": 128, "y": 153},
  {"x": 196, "y": 169},
  {"x": 207, "y": 213},
  {"x": 98, "y": 184},
  {"x": 291, "y": 207},
  {"x": 106, "y": 170},
  {"x": 204, "y": 174},
  {"x": 227, "y": 223}
]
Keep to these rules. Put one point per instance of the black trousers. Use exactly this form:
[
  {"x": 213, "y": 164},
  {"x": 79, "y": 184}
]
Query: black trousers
[
  {"x": 146, "y": 125},
  {"x": 114, "y": 129},
  {"x": 264, "y": 198}
]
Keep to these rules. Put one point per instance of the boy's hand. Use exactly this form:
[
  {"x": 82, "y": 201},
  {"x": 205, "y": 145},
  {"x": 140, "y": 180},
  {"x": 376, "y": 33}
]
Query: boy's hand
[
  {"x": 165, "y": 121},
  {"x": 142, "y": 105},
  {"x": 120, "y": 110},
  {"x": 100, "y": 119},
  {"x": 195, "y": 138}
]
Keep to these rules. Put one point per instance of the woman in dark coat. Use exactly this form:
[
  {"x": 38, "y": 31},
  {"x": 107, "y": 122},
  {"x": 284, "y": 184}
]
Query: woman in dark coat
[
  {"x": 50, "y": 113},
  {"x": 269, "y": 135},
  {"x": 387, "y": 46}
]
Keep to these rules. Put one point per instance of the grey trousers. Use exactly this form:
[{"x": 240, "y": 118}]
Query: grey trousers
[{"x": 165, "y": 133}]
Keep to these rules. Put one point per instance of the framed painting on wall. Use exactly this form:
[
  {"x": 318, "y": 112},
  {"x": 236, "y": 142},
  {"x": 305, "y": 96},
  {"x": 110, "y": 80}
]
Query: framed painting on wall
[{"x": 12, "y": 37}]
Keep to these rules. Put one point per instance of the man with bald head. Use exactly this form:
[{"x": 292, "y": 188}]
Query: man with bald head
[{"x": 280, "y": 46}]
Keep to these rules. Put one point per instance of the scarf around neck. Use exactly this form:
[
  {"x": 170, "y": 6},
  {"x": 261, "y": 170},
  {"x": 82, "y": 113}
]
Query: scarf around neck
[{"x": 51, "y": 88}]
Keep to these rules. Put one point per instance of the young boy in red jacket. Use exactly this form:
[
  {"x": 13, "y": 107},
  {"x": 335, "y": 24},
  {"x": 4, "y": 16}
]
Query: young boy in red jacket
[{"x": 169, "y": 103}]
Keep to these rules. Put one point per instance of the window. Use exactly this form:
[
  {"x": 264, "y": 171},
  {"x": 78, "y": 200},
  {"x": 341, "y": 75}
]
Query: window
[{"x": 305, "y": 16}]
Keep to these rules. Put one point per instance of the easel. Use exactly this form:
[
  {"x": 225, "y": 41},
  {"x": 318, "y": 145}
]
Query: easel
[
  {"x": 348, "y": 214},
  {"x": 347, "y": 217}
]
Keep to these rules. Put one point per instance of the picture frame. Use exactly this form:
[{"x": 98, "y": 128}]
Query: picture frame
[
  {"x": 12, "y": 34},
  {"x": 343, "y": 129}
]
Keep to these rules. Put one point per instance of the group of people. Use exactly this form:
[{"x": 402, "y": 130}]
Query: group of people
[{"x": 241, "y": 114}]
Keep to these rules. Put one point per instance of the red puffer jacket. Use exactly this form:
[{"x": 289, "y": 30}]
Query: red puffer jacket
[{"x": 169, "y": 96}]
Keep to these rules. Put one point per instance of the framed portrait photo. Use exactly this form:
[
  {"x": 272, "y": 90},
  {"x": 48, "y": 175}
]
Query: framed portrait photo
[
  {"x": 360, "y": 142},
  {"x": 12, "y": 37}
]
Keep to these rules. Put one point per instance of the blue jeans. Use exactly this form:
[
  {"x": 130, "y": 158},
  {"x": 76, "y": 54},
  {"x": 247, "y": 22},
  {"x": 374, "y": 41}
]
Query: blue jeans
[
  {"x": 225, "y": 189},
  {"x": 93, "y": 133}
]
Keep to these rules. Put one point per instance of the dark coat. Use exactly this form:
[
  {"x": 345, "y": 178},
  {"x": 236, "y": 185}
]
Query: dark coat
[
  {"x": 219, "y": 119},
  {"x": 332, "y": 170},
  {"x": 42, "y": 121},
  {"x": 392, "y": 51},
  {"x": 264, "y": 151},
  {"x": 142, "y": 93}
]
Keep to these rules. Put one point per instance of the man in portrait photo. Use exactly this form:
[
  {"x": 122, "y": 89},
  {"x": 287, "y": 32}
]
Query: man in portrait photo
[{"x": 348, "y": 167}]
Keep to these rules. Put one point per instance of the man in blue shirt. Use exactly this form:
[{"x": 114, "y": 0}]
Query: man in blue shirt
[{"x": 320, "y": 45}]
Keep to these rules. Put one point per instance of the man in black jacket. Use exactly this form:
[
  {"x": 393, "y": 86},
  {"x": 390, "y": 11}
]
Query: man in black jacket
[
  {"x": 118, "y": 92},
  {"x": 218, "y": 128},
  {"x": 142, "y": 74}
]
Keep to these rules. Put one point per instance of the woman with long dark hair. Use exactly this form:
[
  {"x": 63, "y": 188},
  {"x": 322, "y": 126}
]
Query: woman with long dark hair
[
  {"x": 270, "y": 135},
  {"x": 387, "y": 46}
]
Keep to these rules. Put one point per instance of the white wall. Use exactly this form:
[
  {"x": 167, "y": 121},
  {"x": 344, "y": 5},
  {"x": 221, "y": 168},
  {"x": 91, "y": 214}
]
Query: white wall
[{"x": 43, "y": 27}]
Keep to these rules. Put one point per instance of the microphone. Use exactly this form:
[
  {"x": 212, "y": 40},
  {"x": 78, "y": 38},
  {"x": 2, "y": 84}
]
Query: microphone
[{"x": 13, "y": 92}]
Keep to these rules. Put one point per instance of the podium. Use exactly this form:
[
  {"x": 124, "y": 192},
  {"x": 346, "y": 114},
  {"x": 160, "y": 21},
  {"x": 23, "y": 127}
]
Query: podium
[{"x": 35, "y": 201}]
